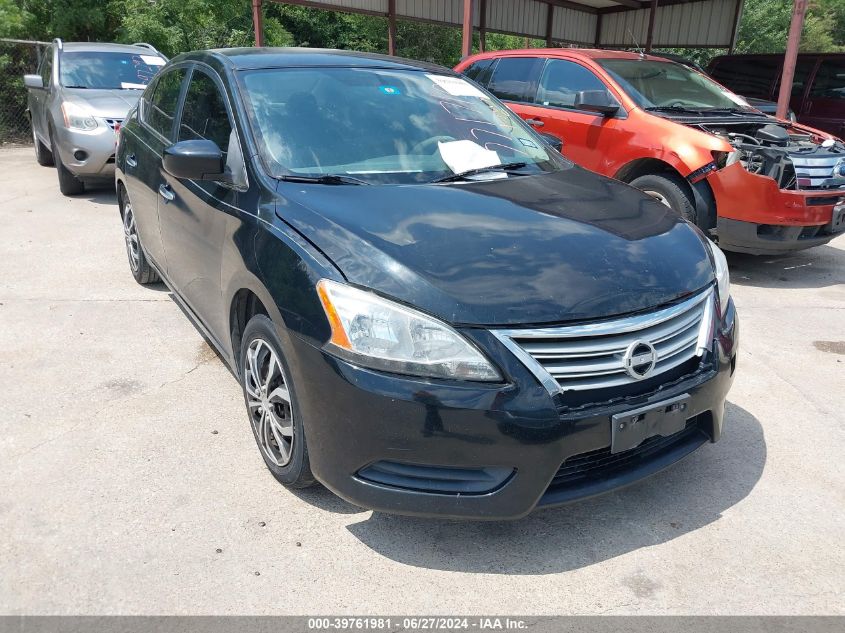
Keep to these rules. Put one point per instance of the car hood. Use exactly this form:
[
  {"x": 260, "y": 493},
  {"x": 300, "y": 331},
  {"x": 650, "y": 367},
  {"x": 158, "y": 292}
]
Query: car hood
[
  {"x": 107, "y": 104},
  {"x": 550, "y": 248}
]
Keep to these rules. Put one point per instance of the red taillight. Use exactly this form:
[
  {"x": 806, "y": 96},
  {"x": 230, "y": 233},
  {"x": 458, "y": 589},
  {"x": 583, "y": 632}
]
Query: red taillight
[{"x": 805, "y": 182}]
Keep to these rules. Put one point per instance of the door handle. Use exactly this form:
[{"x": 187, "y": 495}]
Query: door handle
[
  {"x": 131, "y": 161},
  {"x": 535, "y": 122},
  {"x": 166, "y": 192}
]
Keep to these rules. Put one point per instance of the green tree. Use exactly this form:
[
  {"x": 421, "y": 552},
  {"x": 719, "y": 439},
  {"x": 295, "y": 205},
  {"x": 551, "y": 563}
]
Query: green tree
[
  {"x": 765, "y": 25},
  {"x": 13, "y": 19}
]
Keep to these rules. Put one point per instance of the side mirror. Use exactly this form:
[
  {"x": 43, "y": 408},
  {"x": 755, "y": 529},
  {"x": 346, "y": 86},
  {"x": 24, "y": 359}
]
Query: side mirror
[
  {"x": 33, "y": 81},
  {"x": 553, "y": 140},
  {"x": 598, "y": 101},
  {"x": 194, "y": 160}
]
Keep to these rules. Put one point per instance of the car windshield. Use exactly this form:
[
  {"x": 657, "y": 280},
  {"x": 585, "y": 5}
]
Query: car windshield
[
  {"x": 658, "y": 84},
  {"x": 108, "y": 70},
  {"x": 384, "y": 126}
]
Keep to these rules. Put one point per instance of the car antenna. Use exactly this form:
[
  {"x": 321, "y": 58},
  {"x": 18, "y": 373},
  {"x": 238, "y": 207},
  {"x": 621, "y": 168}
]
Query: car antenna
[{"x": 636, "y": 44}]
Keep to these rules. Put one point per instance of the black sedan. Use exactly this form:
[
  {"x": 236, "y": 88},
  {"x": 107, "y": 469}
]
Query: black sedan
[{"x": 429, "y": 309}]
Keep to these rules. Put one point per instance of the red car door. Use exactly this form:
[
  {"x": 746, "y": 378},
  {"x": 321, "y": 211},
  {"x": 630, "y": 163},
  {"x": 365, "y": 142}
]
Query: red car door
[{"x": 588, "y": 138}]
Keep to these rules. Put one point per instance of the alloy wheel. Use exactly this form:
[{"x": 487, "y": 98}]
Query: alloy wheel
[
  {"x": 130, "y": 232},
  {"x": 268, "y": 402}
]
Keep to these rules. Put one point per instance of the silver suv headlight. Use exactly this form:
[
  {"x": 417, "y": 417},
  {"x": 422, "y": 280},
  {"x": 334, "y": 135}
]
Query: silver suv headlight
[
  {"x": 77, "y": 117},
  {"x": 381, "y": 334},
  {"x": 723, "y": 277}
]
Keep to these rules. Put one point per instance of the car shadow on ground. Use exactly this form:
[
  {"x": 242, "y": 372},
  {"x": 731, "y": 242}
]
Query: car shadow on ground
[
  {"x": 818, "y": 267},
  {"x": 100, "y": 194},
  {"x": 684, "y": 498}
]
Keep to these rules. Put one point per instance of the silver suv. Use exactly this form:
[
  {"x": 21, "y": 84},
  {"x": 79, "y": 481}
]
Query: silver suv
[{"x": 78, "y": 101}]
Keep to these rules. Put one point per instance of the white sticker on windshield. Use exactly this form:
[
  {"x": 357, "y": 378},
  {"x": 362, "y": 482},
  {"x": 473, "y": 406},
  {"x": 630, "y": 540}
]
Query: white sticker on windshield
[
  {"x": 456, "y": 86},
  {"x": 461, "y": 156},
  {"x": 152, "y": 60},
  {"x": 130, "y": 86}
]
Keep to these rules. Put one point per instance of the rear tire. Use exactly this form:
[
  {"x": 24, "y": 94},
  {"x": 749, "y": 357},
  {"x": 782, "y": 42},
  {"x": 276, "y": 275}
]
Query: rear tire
[
  {"x": 271, "y": 404},
  {"x": 671, "y": 190},
  {"x": 43, "y": 155},
  {"x": 140, "y": 266}
]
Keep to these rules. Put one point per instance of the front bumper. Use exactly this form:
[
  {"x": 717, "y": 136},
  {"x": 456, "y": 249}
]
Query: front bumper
[
  {"x": 87, "y": 154},
  {"x": 757, "y": 217},
  {"x": 769, "y": 239},
  {"x": 356, "y": 418}
]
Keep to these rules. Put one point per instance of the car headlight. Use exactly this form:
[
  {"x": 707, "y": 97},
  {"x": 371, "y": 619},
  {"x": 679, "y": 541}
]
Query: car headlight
[
  {"x": 381, "y": 334},
  {"x": 77, "y": 117},
  {"x": 723, "y": 277}
]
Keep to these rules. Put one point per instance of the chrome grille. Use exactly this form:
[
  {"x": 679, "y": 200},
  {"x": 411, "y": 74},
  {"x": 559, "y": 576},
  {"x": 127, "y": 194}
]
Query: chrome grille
[
  {"x": 592, "y": 355},
  {"x": 824, "y": 172}
]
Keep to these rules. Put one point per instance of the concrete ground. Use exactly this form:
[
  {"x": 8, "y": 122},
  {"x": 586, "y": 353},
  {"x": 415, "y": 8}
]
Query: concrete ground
[{"x": 130, "y": 481}]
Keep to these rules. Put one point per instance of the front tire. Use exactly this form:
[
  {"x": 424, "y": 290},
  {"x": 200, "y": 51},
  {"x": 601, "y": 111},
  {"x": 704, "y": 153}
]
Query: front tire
[
  {"x": 69, "y": 184},
  {"x": 43, "y": 155},
  {"x": 671, "y": 190},
  {"x": 140, "y": 266},
  {"x": 271, "y": 405}
]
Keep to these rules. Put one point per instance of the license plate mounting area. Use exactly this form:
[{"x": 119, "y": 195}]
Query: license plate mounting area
[{"x": 631, "y": 428}]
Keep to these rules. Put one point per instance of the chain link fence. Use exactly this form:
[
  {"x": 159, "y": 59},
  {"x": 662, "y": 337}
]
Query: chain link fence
[{"x": 17, "y": 57}]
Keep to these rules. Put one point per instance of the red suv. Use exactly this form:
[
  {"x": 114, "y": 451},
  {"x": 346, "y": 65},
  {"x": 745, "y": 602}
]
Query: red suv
[{"x": 756, "y": 184}]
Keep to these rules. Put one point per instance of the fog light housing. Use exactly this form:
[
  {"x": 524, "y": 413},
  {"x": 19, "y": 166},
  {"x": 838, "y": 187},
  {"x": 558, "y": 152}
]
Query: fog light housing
[
  {"x": 436, "y": 479},
  {"x": 80, "y": 155}
]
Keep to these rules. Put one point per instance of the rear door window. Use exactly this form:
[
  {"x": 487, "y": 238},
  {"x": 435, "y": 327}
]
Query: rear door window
[
  {"x": 562, "y": 80},
  {"x": 803, "y": 69},
  {"x": 830, "y": 80},
  {"x": 515, "y": 78},
  {"x": 748, "y": 77},
  {"x": 160, "y": 109}
]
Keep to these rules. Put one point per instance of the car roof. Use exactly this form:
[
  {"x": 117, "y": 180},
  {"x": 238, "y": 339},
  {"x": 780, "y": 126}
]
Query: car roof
[
  {"x": 256, "y": 58},
  {"x": 106, "y": 47},
  {"x": 583, "y": 53}
]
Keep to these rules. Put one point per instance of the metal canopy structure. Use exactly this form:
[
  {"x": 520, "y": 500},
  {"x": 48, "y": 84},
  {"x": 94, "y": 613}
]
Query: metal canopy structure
[{"x": 645, "y": 24}]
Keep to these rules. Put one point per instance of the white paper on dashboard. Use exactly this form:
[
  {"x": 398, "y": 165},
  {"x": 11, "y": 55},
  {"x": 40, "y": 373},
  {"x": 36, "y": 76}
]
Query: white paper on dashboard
[
  {"x": 461, "y": 156},
  {"x": 456, "y": 86},
  {"x": 130, "y": 86},
  {"x": 152, "y": 60}
]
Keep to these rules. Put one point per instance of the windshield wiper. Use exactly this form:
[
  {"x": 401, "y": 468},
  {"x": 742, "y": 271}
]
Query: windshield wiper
[
  {"x": 674, "y": 108},
  {"x": 701, "y": 111},
  {"x": 77, "y": 87},
  {"x": 326, "y": 179},
  {"x": 735, "y": 111},
  {"x": 480, "y": 170}
]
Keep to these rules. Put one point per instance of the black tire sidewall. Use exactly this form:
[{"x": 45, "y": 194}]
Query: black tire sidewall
[
  {"x": 69, "y": 184},
  {"x": 43, "y": 156},
  {"x": 296, "y": 473},
  {"x": 672, "y": 188}
]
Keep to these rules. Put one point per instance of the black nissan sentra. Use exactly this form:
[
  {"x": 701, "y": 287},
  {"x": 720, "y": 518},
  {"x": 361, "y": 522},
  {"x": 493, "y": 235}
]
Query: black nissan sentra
[{"x": 429, "y": 309}]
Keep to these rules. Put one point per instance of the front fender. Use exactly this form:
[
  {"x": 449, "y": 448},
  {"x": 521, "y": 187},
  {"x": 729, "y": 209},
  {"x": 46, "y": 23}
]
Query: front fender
[{"x": 282, "y": 269}]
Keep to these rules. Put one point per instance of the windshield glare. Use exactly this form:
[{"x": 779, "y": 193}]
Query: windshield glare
[
  {"x": 658, "y": 84},
  {"x": 108, "y": 70},
  {"x": 385, "y": 126}
]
